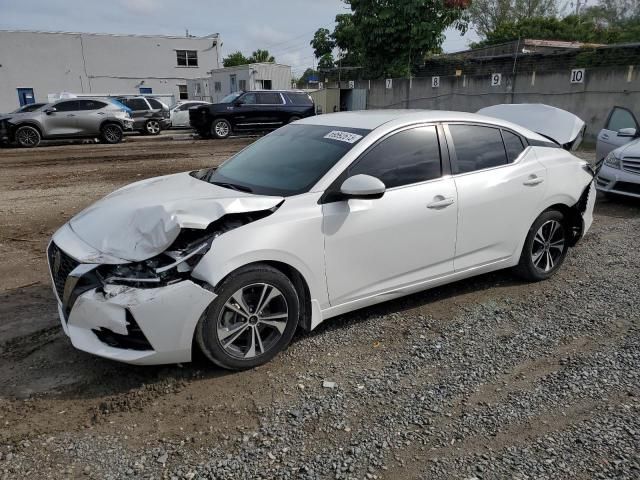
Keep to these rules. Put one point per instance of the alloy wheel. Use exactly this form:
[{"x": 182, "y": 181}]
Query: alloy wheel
[
  {"x": 112, "y": 133},
  {"x": 153, "y": 127},
  {"x": 27, "y": 137},
  {"x": 222, "y": 129},
  {"x": 252, "y": 321},
  {"x": 548, "y": 245}
]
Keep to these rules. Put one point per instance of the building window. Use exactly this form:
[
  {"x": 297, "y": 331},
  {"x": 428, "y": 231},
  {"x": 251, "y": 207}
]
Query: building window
[
  {"x": 217, "y": 86},
  {"x": 264, "y": 84},
  {"x": 187, "y": 58},
  {"x": 242, "y": 84},
  {"x": 184, "y": 94}
]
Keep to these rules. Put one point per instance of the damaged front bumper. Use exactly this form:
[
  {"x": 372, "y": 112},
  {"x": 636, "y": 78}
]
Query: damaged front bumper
[{"x": 143, "y": 326}]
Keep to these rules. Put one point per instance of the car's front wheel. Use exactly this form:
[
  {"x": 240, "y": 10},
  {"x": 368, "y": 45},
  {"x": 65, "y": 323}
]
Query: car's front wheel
[
  {"x": 545, "y": 248},
  {"x": 221, "y": 128},
  {"x": 152, "y": 127},
  {"x": 28, "y": 136},
  {"x": 252, "y": 319},
  {"x": 111, "y": 133}
]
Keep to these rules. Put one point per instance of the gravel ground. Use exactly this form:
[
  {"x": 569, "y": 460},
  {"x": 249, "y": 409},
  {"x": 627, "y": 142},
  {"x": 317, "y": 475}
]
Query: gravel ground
[{"x": 489, "y": 378}]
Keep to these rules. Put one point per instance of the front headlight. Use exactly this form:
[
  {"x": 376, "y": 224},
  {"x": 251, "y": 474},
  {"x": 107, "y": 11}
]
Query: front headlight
[
  {"x": 612, "y": 161},
  {"x": 172, "y": 266}
]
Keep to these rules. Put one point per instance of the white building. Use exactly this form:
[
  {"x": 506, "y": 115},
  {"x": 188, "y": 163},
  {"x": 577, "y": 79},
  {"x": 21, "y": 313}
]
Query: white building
[
  {"x": 36, "y": 64},
  {"x": 253, "y": 76}
]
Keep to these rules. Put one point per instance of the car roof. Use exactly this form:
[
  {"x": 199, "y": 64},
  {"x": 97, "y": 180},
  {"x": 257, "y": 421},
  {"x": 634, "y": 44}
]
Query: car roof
[{"x": 372, "y": 119}]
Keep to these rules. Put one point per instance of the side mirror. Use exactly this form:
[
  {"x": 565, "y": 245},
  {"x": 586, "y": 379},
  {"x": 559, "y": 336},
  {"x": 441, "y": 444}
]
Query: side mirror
[
  {"x": 50, "y": 110},
  {"x": 627, "y": 132},
  {"x": 363, "y": 187}
]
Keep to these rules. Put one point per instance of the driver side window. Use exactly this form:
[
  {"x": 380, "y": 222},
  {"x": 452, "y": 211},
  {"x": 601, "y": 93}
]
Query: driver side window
[
  {"x": 409, "y": 156},
  {"x": 248, "y": 99}
]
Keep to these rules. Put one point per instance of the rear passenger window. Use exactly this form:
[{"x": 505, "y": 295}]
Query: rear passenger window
[
  {"x": 90, "y": 105},
  {"x": 136, "y": 103},
  {"x": 513, "y": 144},
  {"x": 299, "y": 99},
  {"x": 269, "y": 99},
  {"x": 477, "y": 148},
  {"x": 410, "y": 156},
  {"x": 155, "y": 103}
]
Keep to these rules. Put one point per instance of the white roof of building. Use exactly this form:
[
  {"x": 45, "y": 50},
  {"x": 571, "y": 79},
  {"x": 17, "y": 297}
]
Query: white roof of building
[{"x": 47, "y": 32}]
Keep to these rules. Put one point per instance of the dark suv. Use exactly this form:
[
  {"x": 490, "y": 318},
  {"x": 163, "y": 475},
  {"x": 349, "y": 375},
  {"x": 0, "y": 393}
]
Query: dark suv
[
  {"x": 150, "y": 116},
  {"x": 257, "y": 111}
]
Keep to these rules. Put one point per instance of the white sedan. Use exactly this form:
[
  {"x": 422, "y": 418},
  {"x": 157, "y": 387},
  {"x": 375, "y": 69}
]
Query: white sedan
[
  {"x": 321, "y": 217},
  {"x": 179, "y": 113}
]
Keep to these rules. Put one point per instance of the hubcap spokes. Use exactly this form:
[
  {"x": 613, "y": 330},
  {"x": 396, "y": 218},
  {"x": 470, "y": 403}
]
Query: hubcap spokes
[
  {"x": 28, "y": 137},
  {"x": 252, "y": 320},
  {"x": 548, "y": 245},
  {"x": 111, "y": 134},
  {"x": 222, "y": 129},
  {"x": 153, "y": 127}
]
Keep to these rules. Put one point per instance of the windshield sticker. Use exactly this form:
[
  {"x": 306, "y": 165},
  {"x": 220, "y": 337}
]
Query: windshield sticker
[{"x": 343, "y": 136}]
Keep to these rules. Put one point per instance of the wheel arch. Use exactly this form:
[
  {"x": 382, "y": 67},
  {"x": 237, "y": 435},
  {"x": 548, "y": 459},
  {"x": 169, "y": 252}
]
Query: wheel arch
[
  {"x": 297, "y": 279},
  {"x": 110, "y": 121},
  {"x": 27, "y": 123}
]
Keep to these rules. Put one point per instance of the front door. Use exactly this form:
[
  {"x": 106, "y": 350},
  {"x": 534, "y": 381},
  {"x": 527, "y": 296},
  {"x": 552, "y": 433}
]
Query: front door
[
  {"x": 26, "y": 96},
  {"x": 500, "y": 187},
  {"x": 609, "y": 138},
  {"x": 404, "y": 238},
  {"x": 63, "y": 121}
]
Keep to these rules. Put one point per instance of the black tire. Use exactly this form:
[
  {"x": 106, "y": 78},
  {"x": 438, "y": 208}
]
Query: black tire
[
  {"x": 221, "y": 128},
  {"x": 295, "y": 118},
  {"x": 152, "y": 127},
  {"x": 111, "y": 133},
  {"x": 545, "y": 247},
  {"x": 28, "y": 136},
  {"x": 254, "y": 284}
]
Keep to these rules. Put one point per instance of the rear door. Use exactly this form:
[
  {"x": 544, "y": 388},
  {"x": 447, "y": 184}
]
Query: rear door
[
  {"x": 90, "y": 116},
  {"x": 62, "y": 122},
  {"x": 272, "y": 112},
  {"x": 608, "y": 138},
  {"x": 139, "y": 110},
  {"x": 500, "y": 187}
]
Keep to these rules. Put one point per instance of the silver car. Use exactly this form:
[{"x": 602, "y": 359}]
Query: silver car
[{"x": 68, "y": 118}]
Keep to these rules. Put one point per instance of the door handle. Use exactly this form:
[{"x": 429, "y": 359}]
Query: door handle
[
  {"x": 533, "y": 181},
  {"x": 605, "y": 136},
  {"x": 71, "y": 115},
  {"x": 444, "y": 202}
]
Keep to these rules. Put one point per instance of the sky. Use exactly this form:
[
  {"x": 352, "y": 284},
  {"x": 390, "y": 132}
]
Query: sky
[{"x": 284, "y": 27}]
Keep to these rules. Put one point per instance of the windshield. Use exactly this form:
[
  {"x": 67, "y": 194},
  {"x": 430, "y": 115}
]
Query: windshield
[
  {"x": 29, "y": 108},
  {"x": 231, "y": 97},
  {"x": 287, "y": 162}
]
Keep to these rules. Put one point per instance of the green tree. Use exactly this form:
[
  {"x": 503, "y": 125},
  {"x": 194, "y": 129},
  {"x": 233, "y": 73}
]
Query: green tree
[
  {"x": 487, "y": 15},
  {"x": 322, "y": 43},
  {"x": 326, "y": 62},
  {"x": 392, "y": 37},
  {"x": 261, "y": 56},
  {"x": 235, "y": 59}
]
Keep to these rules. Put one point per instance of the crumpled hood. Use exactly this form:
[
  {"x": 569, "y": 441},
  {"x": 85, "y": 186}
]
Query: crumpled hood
[
  {"x": 143, "y": 219},
  {"x": 559, "y": 125}
]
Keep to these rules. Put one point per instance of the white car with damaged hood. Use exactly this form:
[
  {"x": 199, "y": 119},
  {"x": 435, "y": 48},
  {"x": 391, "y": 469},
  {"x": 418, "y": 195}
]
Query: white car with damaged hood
[{"x": 321, "y": 217}]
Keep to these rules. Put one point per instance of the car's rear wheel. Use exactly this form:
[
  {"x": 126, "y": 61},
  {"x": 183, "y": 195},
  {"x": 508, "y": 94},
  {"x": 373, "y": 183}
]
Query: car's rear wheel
[
  {"x": 252, "y": 319},
  {"x": 152, "y": 127},
  {"x": 221, "y": 128},
  {"x": 28, "y": 136},
  {"x": 545, "y": 248},
  {"x": 111, "y": 133}
]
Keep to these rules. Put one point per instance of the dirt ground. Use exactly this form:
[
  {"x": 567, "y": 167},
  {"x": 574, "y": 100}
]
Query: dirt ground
[{"x": 48, "y": 389}]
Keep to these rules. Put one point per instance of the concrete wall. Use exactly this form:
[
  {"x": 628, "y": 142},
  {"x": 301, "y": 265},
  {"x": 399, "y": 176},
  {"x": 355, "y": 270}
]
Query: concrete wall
[
  {"x": 86, "y": 63},
  {"x": 591, "y": 100},
  {"x": 252, "y": 74}
]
